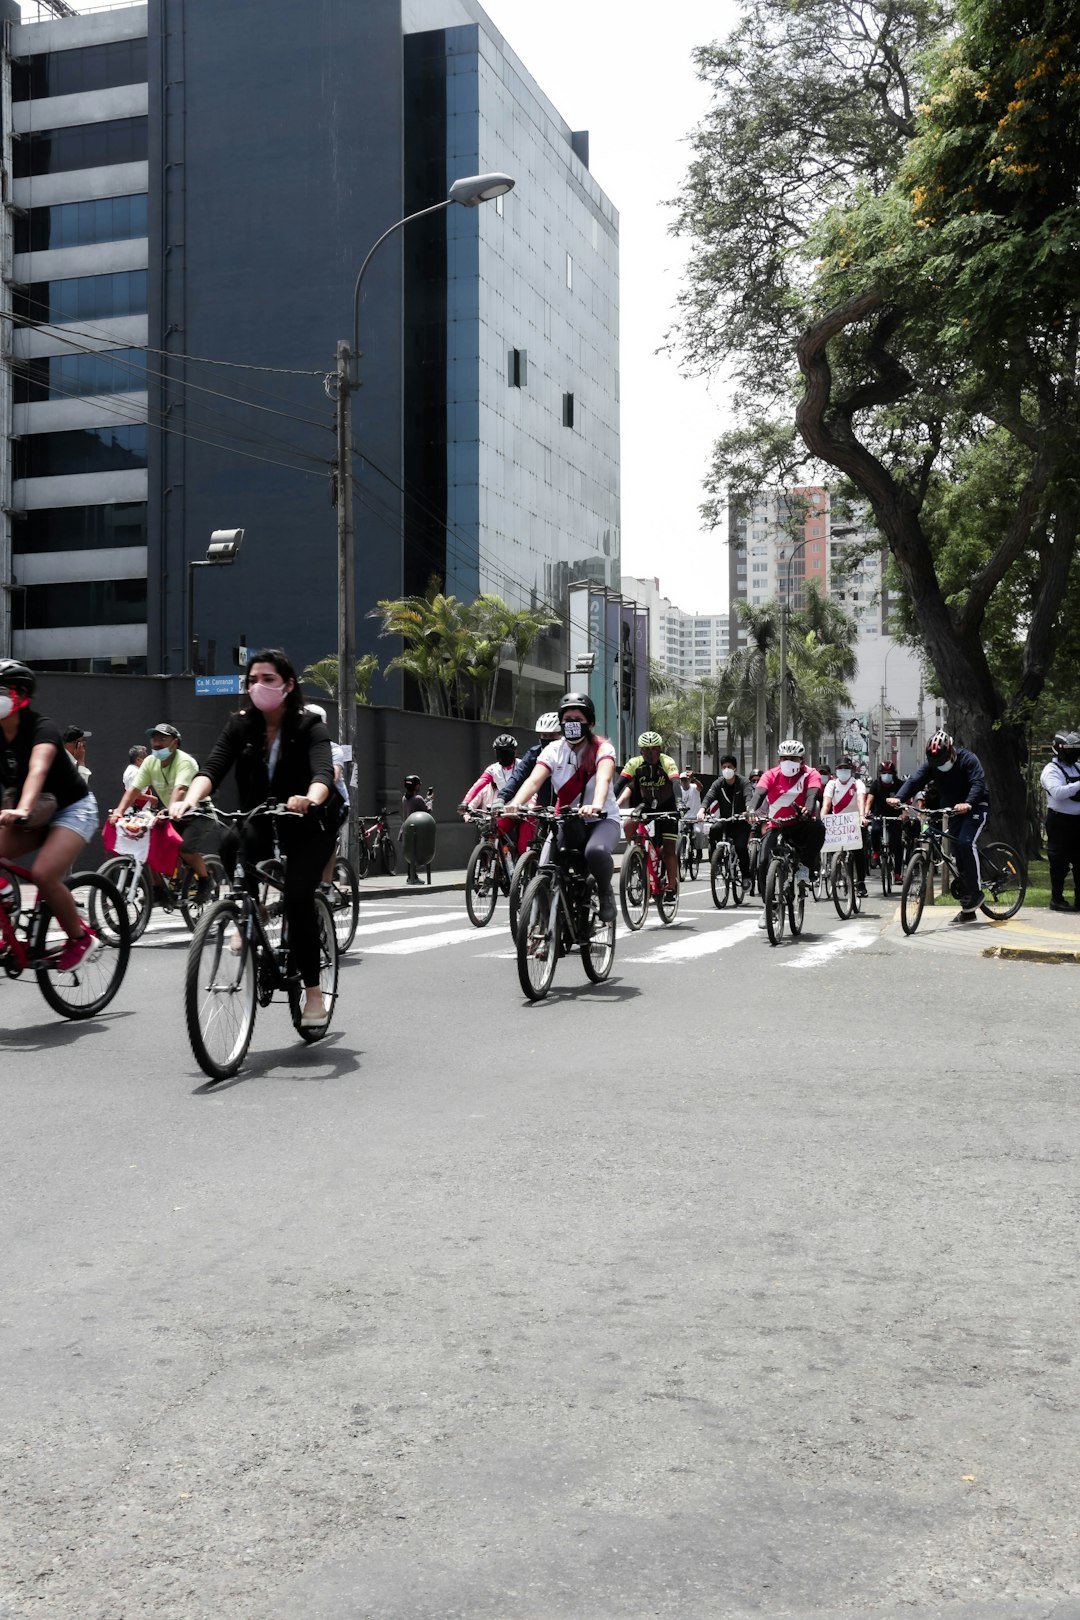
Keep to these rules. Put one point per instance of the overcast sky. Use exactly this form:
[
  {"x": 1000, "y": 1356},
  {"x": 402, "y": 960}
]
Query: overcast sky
[{"x": 625, "y": 75}]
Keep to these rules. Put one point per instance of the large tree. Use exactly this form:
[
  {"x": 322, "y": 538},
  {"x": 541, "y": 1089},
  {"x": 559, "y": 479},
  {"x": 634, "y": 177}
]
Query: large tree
[{"x": 934, "y": 316}]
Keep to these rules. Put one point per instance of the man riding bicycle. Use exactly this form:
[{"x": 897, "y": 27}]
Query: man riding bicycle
[
  {"x": 729, "y": 796},
  {"x": 958, "y": 775},
  {"x": 650, "y": 782},
  {"x": 791, "y": 790}
]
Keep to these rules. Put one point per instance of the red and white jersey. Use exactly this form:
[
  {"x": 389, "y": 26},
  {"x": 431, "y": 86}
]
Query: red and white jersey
[
  {"x": 486, "y": 787},
  {"x": 844, "y": 795},
  {"x": 563, "y": 763},
  {"x": 787, "y": 795}
]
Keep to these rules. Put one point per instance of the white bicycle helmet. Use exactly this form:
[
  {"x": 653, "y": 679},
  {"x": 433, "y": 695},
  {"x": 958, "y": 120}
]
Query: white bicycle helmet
[
  {"x": 548, "y": 724},
  {"x": 791, "y": 749}
]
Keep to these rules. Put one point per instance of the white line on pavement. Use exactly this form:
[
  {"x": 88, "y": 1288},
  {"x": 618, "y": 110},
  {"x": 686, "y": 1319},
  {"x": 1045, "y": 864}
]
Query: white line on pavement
[
  {"x": 429, "y": 920},
  {"x": 844, "y": 939},
  {"x": 427, "y": 942},
  {"x": 685, "y": 950}
]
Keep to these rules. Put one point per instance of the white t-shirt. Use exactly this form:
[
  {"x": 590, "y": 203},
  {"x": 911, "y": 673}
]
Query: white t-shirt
[
  {"x": 562, "y": 762},
  {"x": 129, "y": 776}
]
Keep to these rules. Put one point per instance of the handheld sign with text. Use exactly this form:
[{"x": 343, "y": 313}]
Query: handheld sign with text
[{"x": 842, "y": 830}]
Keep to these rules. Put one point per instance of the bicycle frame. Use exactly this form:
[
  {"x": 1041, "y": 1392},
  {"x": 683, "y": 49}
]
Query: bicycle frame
[
  {"x": 13, "y": 950},
  {"x": 639, "y": 833}
]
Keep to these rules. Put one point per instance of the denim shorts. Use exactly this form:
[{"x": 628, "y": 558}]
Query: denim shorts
[{"x": 80, "y": 817}]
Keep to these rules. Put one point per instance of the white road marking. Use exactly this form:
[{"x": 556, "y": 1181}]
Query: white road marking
[
  {"x": 429, "y": 920},
  {"x": 428, "y": 942},
  {"x": 685, "y": 950},
  {"x": 844, "y": 939}
]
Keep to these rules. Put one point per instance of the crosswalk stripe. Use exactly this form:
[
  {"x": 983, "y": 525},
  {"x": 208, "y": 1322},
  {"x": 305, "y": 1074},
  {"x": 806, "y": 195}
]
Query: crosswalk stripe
[
  {"x": 685, "y": 950},
  {"x": 426, "y": 942},
  {"x": 430, "y": 920},
  {"x": 844, "y": 939}
]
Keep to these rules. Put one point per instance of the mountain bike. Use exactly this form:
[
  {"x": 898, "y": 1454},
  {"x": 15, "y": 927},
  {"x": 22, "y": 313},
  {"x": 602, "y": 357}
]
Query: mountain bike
[
  {"x": 142, "y": 890},
  {"x": 1004, "y": 876},
  {"x": 528, "y": 864},
  {"x": 881, "y": 852},
  {"x": 560, "y": 912},
  {"x": 31, "y": 941},
  {"x": 237, "y": 962},
  {"x": 490, "y": 871},
  {"x": 843, "y": 883},
  {"x": 643, "y": 876},
  {"x": 785, "y": 892},
  {"x": 688, "y": 854},
  {"x": 725, "y": 874},
  {"x": 375, "y": 845}
]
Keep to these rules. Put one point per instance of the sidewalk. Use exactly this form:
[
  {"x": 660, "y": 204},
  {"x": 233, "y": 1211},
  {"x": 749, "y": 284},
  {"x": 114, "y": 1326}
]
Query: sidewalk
[
  {"x": 1033, "y": 935},
  {"x": 382, "y": 885}
]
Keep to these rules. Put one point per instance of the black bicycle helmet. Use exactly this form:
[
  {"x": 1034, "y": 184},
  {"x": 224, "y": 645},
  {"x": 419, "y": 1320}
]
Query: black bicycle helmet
[
  {"x": 412, "y": 781},
  {"x": 939, "y": 748},
  {"x": 1067, "y": 746},
  {"x": 505, "y": 741},
  {"x": 578, "y": 700},
  {"x": 18, "y": 677}
]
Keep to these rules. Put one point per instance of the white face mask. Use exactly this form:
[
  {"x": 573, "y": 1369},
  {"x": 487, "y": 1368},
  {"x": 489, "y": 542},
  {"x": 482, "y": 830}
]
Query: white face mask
[
  {"x": 728, "y": 774},
  {"x": 790, "y": 767},
  {"x": 7, "y": 705},
  {"x": 946, "y": 765}
]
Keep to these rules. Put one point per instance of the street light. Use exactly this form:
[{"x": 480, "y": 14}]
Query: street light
[
  {"x": 788, "y": 556},
  {"x": 224, "y": 544},
  {"x": 469, "y": 192}
]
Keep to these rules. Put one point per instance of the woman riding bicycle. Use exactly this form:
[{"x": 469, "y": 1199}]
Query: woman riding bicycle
[
  {"x": 581, "y": 768},
  {"x": 47, "y": 806},
  {"x": 280, "y": 751}
]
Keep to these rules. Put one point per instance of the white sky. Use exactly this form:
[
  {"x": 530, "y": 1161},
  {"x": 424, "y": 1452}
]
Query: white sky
[{"x": 625, "y": 75}]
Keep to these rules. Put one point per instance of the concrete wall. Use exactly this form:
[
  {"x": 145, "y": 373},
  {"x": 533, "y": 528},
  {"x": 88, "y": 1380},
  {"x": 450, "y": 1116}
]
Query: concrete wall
[{"x": 118, "y": 709}]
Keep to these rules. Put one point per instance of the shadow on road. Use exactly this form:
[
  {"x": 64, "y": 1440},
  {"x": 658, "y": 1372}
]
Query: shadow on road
[
  {"x": 295, "y": 1062},
  {"x": 610, "y": 990},
  {"x": 58, "y": 1032}
]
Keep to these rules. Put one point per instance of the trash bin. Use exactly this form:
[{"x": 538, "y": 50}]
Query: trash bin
[{"x": 418, "y": 838}]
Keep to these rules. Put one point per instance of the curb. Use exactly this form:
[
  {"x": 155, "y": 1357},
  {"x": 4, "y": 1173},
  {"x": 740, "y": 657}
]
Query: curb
[{"x": 1030, "y": 953}]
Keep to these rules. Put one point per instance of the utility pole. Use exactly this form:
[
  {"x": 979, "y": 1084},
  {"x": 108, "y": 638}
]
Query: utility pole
[{"x": 346, "y": 627}]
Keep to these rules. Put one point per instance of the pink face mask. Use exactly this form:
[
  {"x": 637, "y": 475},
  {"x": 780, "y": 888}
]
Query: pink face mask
[{"x": 266, "y": 697}]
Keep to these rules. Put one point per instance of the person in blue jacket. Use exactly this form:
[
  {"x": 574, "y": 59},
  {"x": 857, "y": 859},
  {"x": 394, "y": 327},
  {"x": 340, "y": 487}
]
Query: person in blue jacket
[
  {"x": 959, "y": 778},
  {"x": 549, "y": 730}
]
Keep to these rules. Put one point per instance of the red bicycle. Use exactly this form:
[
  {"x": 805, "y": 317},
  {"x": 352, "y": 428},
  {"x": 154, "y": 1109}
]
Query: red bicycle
[
  {"x": 31, "y": 941},
  {"x": 643, "y": 876}
]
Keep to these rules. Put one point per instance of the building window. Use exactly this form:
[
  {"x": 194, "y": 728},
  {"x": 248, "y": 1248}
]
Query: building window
[
  {"x": 517, "y": 370},
  {"x": 64, "y": 376},
  {"x": 71, "y": 73},
  {"x": 79, "y": 224},
  {"x": 568, "y": 410},
  {"x": 89, "y": 450},
  {"x": 82, "y": 146},
  {"x": 79, "y": 528},
  {"x": 569, "y": 272},
  {"x": 81, "y": 298},
  {"x": 94, "y": 601}
]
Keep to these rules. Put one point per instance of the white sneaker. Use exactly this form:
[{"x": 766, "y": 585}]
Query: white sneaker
[
  {"x": 763, "y": 921},
  {"x": 803, "y": 874}
]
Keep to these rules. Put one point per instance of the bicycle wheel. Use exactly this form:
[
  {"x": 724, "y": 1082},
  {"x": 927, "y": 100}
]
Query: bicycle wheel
[
  {"x": 796, "y": 905},
  {"x": 85, "y": 990},
  {"x": 667, "y": 902},
  {"x": 328, "y": 975},
  {"x": 827, "y": 868},
  {"x": 886, "y": 873},
  {"x": 524, "y": 872},
  {"x": 634, "y": 888},
  {"x": 693, "y": 860},
  {"x": 843, "y": 885},
  {"x": 539, "y": 925},
  {"x": 132, "y": 883},
  {"x": 738, "y": 882},
  {"x": 681, "y": 862},
  {"x": 720, "y": 877},
  {"x": 598, "y": 946},
  {"x": 481, "y": 885},
  {"x": 1004, "y": 879},
  {"x": 913, "y": 894},
  {"x": 815, "y": 885},
  {"x": 388, "y": 853},
  {"x": 219, "y": 990},
  {"x": 192, "y": 909},
  {"x": 775, "y": 908},
  {"x": 344, "y": 902},
  {"x": 363, "y": 855}
]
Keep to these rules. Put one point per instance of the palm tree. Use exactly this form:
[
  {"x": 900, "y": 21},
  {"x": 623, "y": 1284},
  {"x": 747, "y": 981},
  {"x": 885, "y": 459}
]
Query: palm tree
[
  {"x": 324, "y": 675},
  {"x": 747, "y": 675}
]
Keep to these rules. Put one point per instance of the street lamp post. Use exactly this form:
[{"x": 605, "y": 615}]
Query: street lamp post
[
  {"x": 884, "y": 704},
  {"x": 469, "y": 192},
  {"x": 224, "y": 544},
  {"x": 788, "y": 556}
]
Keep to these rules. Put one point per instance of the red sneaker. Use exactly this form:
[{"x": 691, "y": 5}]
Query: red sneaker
[{"x": 76, "y": 951}]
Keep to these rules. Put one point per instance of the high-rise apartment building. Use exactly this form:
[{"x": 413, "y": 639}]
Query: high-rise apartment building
[
  {"x": 179, "y": 263},
  {"x": 687, "y": 645}
]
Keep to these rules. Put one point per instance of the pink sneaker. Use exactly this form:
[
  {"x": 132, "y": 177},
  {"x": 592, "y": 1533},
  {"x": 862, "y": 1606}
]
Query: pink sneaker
[{"x": 76, "y": 951}]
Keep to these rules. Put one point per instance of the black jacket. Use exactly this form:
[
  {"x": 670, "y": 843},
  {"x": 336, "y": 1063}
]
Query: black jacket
[
  {"x": 303, "y": 758},
  {"x": 964, "y": 784},
  {"x": 728, "y": 798}
]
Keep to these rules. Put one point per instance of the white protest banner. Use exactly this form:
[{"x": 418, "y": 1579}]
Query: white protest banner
[{"x": 842, "y": 830}]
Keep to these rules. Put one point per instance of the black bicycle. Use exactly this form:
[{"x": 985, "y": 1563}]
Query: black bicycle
[
  {"x": 342, "y": 895},
  {"x": 881, "y": 853},
  {"x": 239, "y": 958},
  {"x": 725, "y": 874},
  {"x": 785, "y": 891},
  {"x": 375, "y": 845},
  {"x": 843, "y": 882},
  {"x": 688, "y": 854},
  {"x": 528, "y": 864},
  {"x": 1004, "y": 876},
  {"x": 560, "y": 912},
  {"x": 490, "y": 870}
]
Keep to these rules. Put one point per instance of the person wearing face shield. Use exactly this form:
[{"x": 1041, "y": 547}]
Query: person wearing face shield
[
  {"x": 729, "y": 795},
  {"x": 959, "y": 778},
  {"x": 1061, "y": 783},
  {"x": 791, "y": 792}
]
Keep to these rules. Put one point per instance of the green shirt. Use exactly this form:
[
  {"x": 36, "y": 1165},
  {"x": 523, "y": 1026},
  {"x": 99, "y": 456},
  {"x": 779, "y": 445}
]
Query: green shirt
[{"x": 164, "y": 779}]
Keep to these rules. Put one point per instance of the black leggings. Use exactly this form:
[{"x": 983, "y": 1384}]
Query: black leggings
[{"x": 306, "y": 848}]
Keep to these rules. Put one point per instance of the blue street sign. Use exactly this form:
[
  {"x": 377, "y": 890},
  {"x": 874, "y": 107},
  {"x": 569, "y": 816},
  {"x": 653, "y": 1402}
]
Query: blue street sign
[{"x": 218, "y": 685}]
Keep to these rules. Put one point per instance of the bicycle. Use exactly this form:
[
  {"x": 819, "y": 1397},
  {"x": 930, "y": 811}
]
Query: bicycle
[
  {"x": 881, "y": 854},
  {"x": 725, "y": 874},
  {"x": 375, "y": 844},
  {"x": 642, "y": 876},
  {"x": 1004, "y": 876},
  {"x": 560, "y": 912},
  {"x": 843, "y": 883},
  {"x": 141, "y": 891},
  {"x": 236, "y": 963},
  {"x": 31, "y": 941},
  {"x": 687, "y": 852},
  {"x": 490, "y": 870},
  {"x": 785, "y": 892},
  {"x": 342, "y": 895},
  {"x": 528, "y": 864}
]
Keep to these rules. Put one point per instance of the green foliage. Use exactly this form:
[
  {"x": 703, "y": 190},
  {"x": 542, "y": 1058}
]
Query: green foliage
[{"x": 324, "y": 675}]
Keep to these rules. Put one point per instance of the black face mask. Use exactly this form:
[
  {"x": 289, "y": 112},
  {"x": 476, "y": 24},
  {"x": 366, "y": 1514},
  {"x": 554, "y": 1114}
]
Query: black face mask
[
  {"x": 1068, "y": 756},
  {"x": 575, "y": 730},
  {"x": 504, "y": 758}
]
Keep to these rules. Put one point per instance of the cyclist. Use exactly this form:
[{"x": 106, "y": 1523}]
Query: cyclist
[
  {"x": 279, "y": 751},
  {"x": 846, "y": 791},
  {"x": 487, "y": 785},
  {"x": 650, "y": 781},
  {"x": 49, "y": 813},
  {"x": 791, "y": 790},
  {"x": 168, "y": 772},
  {"x": 581, "y": 769},
  {"x": 548, "y": 730},
  {"x": 728, "y": 795},
  {"x": 957, "y": 774},
  {"x": 1061, "y": 784},
  {"x": 887, "y": 837}
]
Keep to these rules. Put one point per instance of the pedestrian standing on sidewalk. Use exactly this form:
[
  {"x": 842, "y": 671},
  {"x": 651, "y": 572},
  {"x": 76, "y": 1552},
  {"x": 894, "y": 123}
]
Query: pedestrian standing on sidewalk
[{"x": 1061, "y": 783}]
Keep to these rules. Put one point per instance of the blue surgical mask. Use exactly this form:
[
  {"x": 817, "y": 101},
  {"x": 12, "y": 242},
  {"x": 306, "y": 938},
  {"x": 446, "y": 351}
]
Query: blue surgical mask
[
  {"x": 843, "y": 776},
  {"x": 162, "y": 754}
]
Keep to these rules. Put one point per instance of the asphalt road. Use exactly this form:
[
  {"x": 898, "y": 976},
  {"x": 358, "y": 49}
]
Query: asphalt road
[{"x": 742, "y": 1285}]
